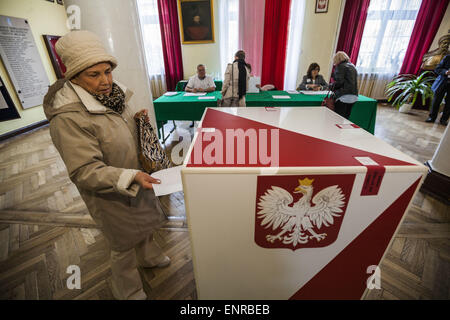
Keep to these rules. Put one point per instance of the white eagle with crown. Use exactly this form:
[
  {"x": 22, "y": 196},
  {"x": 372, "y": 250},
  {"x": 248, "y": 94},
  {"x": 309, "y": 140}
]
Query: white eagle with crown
[{"x": 297, "y": 222}]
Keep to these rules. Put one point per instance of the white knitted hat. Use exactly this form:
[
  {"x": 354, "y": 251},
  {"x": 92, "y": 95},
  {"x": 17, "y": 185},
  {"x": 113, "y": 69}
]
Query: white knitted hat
[{"x": 80, "y": 50}]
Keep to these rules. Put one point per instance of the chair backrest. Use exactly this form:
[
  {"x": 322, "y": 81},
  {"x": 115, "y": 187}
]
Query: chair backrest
[
  {"x": 267, "y": 87},
  {"x": 181, "y": 85}
]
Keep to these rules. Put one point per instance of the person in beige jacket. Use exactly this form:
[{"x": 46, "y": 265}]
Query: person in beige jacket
[
  {"x": 92, "y": 127},
  {"x": 235, "y": 84}
]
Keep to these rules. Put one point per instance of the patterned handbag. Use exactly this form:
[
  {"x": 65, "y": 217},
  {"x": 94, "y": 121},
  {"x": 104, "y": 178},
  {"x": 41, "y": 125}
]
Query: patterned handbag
[
  {"x": 328, "y": 101},
  {"x": 151, "y": 156}
]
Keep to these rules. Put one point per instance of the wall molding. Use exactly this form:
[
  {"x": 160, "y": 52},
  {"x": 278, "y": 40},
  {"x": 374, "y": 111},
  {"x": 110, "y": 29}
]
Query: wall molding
[{"x": 23, "y": 130}]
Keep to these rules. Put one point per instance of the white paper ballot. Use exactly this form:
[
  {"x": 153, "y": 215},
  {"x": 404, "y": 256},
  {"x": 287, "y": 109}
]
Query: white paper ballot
[
  {"x": 292, "y": 92},
  {"x": 281, "y": 97},
  {"x": 171, "y": 93},
  {"x": 314, "y": 93},
  {"x": 252, "y": 82},
  {"x": 206, "y": 98},
  {"x": 194, "y": 94},
  {"x": 170, "y": 181}
]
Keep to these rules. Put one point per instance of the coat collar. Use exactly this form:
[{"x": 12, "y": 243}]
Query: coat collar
[{"x": 92, "y": 104}]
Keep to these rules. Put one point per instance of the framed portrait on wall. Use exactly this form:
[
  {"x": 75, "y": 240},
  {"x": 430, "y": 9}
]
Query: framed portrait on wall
[
  {"x": 7, "y": 109},
  {"x": 321, "y": 6},
  {"x": 196, "y": 21},
  {"x": 57, "y": 64}
]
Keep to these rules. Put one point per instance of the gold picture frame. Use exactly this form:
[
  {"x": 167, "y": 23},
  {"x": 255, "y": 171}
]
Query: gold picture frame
[
  {"x": 196, "y": 21},
  {"x": 321, "y": 6}
]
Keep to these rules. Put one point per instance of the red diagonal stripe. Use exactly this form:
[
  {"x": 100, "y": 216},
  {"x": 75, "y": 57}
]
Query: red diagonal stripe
[{"x": 345, "y": 276}]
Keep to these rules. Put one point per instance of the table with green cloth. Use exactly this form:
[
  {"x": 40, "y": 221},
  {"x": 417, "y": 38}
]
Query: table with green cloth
[
  {"x": 182, "y": 84},
  {"x": 363, "y": 114},
  {"x": 179, "y": 107}
]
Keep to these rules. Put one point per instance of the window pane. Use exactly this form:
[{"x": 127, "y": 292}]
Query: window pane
[
  {"x": 151, "y": 36},
  {"x": 386, "y": 35}
]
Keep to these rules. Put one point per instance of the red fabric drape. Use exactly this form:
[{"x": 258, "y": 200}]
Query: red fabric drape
[
  {"x": 276, "y": 19},
  {"x": 171, "y": 43},
  {"x": 428, "y": 20},
  {"x": 352, "y": 28}
]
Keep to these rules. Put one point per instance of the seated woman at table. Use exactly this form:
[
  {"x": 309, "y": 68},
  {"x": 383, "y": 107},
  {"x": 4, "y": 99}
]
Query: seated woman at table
[{"x": 313, "y": 80}]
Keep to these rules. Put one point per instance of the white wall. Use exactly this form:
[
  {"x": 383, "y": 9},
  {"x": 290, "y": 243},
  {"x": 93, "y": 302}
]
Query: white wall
[{"x": 320, "y": 33}]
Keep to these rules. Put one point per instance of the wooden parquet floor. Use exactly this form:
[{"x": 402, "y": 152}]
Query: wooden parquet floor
[{"x": 45, "y": 227}]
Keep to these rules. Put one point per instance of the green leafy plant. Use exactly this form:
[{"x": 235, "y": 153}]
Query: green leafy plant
[{"x": 406, "y": 88}]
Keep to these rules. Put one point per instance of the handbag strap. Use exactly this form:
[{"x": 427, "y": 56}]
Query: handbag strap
[{"x": 232, "y": 79}]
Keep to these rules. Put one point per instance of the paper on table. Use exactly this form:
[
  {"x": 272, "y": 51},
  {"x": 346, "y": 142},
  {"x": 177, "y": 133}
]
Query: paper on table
[
  {"x": 314, "y": 93},
  {"x": 171, "y": 93},
  {"x": 170, "y": 181},
  {"x": 252, "y": 84},
  {"x": 292, "y": 91},
  {"x": 281, "y": 97},
  {"x": 194, "y": 94},
  {"x": 366, "y": 161},
  {"x": 206, "y": 98}
]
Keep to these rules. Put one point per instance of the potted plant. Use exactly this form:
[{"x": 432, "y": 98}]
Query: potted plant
[{"x": 404, "y": 89}]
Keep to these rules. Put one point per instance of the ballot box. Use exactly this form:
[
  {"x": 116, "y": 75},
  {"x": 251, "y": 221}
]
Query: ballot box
[{"x": 292, "y": 203}]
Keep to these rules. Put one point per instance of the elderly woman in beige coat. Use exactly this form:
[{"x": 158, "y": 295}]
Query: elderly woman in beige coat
[
  {"x": 92, "y": 126},
  {"x": 235, "y": 84}
]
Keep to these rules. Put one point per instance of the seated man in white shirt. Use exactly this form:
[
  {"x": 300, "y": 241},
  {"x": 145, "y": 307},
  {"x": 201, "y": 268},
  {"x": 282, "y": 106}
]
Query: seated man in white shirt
[{"x": 200, "y": 82}]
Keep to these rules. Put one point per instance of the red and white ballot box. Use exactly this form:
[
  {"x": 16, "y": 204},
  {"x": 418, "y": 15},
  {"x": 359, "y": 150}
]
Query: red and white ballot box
[{"x": 291, "y": 203}]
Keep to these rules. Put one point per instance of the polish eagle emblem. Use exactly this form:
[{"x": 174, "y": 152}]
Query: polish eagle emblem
[{"x": 298, "y": 220}]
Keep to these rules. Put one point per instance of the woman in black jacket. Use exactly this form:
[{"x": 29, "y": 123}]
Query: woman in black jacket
[
  {"x": 313, "y": 80},
  {"x": 345, "y": 87}
]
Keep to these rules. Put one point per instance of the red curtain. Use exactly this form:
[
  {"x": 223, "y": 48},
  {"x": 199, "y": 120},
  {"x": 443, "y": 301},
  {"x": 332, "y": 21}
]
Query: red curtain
[
  {"x": 171, "y": 43},
  {"x": 276, "y": 19},
  {"x": 428, "y": 20},
  {"x": 352, "y": 27}
]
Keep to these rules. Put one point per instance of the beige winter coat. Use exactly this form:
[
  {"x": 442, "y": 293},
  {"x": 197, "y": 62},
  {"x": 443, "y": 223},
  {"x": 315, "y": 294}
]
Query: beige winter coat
[
  {"x": 100, "y": 150},
  {"x": 230, "y": 87}
]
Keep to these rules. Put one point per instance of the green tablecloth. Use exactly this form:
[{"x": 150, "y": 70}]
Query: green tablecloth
[
  {"x": 363, "y": 114},
  {"x": 181, "y": 84},
  {"x": 179, "y": 107}
]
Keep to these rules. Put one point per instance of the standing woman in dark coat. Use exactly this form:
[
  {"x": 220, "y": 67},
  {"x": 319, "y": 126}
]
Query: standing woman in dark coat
[{"x": 345, "y": 87}]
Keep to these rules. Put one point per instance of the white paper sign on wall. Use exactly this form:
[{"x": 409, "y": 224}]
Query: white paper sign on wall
[{"x": 22, "y": 61}]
